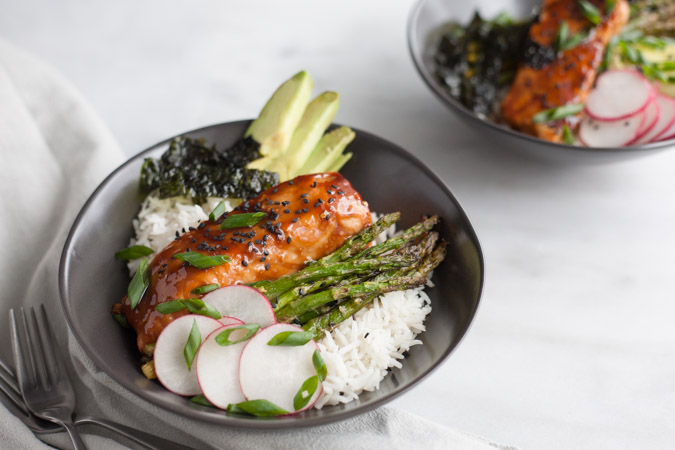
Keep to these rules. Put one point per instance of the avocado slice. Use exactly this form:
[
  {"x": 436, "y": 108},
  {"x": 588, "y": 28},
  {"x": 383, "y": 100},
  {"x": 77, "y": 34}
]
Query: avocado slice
[
  {"x": 315, "y": 120},
  {"x": 327, "y": 151},
  {"x": 274, "y": 127}
]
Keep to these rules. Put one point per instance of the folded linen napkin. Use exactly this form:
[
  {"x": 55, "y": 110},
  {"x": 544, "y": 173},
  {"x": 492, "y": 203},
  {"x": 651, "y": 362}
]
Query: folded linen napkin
[{"x": 53, "y": 152}]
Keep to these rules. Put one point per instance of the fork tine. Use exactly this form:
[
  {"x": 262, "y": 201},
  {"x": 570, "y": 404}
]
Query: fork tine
[
  {"x": 23, "y": 371},
  {"x": 55, "y": 362},
  {"x": 7, "y": 376},
  {"x": 35, "y": 337}
]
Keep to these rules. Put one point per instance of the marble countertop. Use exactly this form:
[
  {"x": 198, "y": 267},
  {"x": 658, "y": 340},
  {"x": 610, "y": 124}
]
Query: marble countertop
[{"x": 574, "y": 343}]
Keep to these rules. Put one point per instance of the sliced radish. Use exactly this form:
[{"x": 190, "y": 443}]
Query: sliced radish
[
  {"x": 652, "y": 114},
  {"x": 666, "y": 119},
  {"x": 619, "y": 94},
  {"x": 276, "y": 373},
  {"x": 593, "y": 133},
  {"x": 227, "y": 320},
  {"x": 243, "y": 302},
  {"x": 218, "y": 367},
  {"x": 170, "y": 366}
]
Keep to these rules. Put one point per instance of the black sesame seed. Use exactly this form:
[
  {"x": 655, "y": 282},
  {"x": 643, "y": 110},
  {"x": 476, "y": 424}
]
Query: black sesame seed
[
  {"x": 194, "y": 240},
  {"x": 265, "y": 237},
  {"x": 341, "y": 192},
  {"x": 288, "y": 240},
  {"x": 319, "y": 201},
  {"x": 267, "y": 266},
  {"x": 265, "y": 252},
  {"x": 329, "y": 192},
  {"x": 327, "y": 216},
  {"x": 305, "y": 210},
  {"x": 297, "y": 211},
  {"x": 296, "y": 321},
  {"x": 244, "y": 263},
  {"x": 191, "y": 228},
  {"x": 258, "y": 241},
  {"x": 304, "y": 195},
  {"x": 305, "y": 200},
  {"x": 295, "y": 219},
  {"x": 313, "y": 184},
  {"x": 323, "y": 284},
  {"x": 177, "y": 234},
  {"x": 301, "y": 291},
  {"x": 287, "y": 211},
  {"x": 291, "y": 182},
  {"x": 183, "y": 230},
  {"x": 317, "y": 204},
  {"x": 286, "y": 202},
  {"x": 201, "y": 225},
  {"x": 331, "y": 200},
  {"x": 277, "y": 202},
  {"x": 269, "y": 202},
  {"x": 275, "y": 190}
]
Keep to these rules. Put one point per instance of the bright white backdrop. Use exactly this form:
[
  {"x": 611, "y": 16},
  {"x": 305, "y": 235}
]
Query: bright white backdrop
[{"x": 573, "y": 345}]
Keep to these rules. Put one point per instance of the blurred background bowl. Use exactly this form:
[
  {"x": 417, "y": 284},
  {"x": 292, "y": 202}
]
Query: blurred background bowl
[{"x": 424, "y": 29}]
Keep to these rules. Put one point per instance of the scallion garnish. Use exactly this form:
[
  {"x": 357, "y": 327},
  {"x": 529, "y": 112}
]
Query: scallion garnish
[
  {"x": 204, "y": 289},
  {"x": 567, "y": 136},
  {"x": 223, "y": 338},
  {"x": 565, "y": 40},
  {"x": 261, "y": 408},
  {"x": 139, "y": 283},
  {"x": 218, "y": 211},
  {"x": 242, "y": 220},
  {"x": 201, "y": 400},
  {"x": 134, "y": 252},
  {"x": 557, "y": 113},
  {"x": 122, "y": 320},
  {"x": 589, "y": 11},
  {"x": 194, "y": 305},
  {"x": 192, "y": 344},
  {"x": 291, "y": 338},
  {"x": 609, "y": 6},
  {"x": 202, "y": 261},
  {"x": 306, "y": 392},
  {"x": 319, "y": 365}
]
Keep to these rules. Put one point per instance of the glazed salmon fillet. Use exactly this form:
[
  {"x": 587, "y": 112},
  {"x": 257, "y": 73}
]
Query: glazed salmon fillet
[
  {"x": 307, "y": 218},
  {"x": 569, "y": 77}
]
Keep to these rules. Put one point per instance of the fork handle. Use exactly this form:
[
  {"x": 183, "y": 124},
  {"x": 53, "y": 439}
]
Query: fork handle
[
  {"x": 74, "y": 436},
  {"x": 140, "y": 437}
]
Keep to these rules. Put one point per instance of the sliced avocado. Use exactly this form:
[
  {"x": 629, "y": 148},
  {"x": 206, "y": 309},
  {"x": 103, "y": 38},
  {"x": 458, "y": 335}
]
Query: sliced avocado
[
  {"x": 327, "y": 151},
  {"x": 341, "y": 161},
  {"x": 316, "y": 118},
  {"x": 281, "y": 114}
]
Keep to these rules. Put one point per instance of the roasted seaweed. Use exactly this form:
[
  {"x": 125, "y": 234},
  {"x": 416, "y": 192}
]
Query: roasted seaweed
[
  {"x": 190, "y": 168},
  {"x": 476, "y": 61}
]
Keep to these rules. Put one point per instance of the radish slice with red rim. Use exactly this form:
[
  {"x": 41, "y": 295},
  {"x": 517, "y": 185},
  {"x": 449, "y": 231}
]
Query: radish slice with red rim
[
  {"x": 652, "y": 114},
  {"x": 277, "y": 373},
  {"x": 666, "y": 119},
  {"x": 227, "y": 320},
  {"x": 218, "y": 365},
  {"x": 593, "y": 133},
  {"x": 619, "y": 94},
  {"x": 169, "y": 357},
  {"x": 243, "y": 302}
]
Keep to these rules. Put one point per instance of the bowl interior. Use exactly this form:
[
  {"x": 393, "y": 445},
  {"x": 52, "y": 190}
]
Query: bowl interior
[
  {"x": 386, "y": 176},
  {"x": 424, "y": 28}
]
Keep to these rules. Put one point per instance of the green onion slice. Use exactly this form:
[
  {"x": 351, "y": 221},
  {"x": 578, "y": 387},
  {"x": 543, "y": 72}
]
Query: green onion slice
[
  {"x": 170, "y": 307},
  {"x": 609, "y": 6},
  {"x": 201, "y": 400},
  {"x": 122, "y": 320},
  {"x": 291, "y": 338},
  {"x": 567, "y": 136},
  {"x": 192, "y": 344},
  {"x": 223, "y": 338},
  {"x": 557, "y": 113},
  {"x": 319, "y": 365},
  {"x": 194, "y": 305},
  {"x": 242, "y": 220},
  {"x": 566, "y": 41},
  {"x": 202, "y": 261},
  {"x": 306, "y": 392},
  {"x": 261, "y": 408},
  {"x": 134, "y": 252},
  {"x": 589, "y": 11},
  {"x": 204, "y": 289},
  {"x": 139, "y": 283},
  {"x": 218, "y": 211}
]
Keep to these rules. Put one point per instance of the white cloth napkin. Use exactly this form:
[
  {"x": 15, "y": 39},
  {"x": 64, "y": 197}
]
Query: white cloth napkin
[{"x": 54, "y": 151}]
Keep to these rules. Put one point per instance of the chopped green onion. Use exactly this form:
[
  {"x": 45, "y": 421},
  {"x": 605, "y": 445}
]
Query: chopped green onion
[
  {"x": 291, "y": 338},
  {"x": 202, "y": 261},
  {"x": 589, "y": 11},
  {"x": 666, "y": 65},
  {"x": 319, "y": 365},
  {"x": 204, "y": 289},
  {"x": 170, "y": 307},
  {"x": 567, "y": 136},
  {"x": 608, "y": 52},
  {"x": 139, "y": 283},
  {"x": 218, "y": 211},
  {"x": 122, "y": 320},
  {"x": 609, "y": 6},
  {"x": 261, "y": 408},
  {"x": 566, "y": 41},
  {"x": 201, "y": 400},
  {"x": 192, "y": 344},
  {"x": 224, "y": 337},
  {"x": 653, "y": 42},
  {"x": 134, "y": 252},
  {"x": 653, "y": 74},
  {"x": 242, "y": 220},
  {"x": 305, "y": 393},
  {"x": 557, "y": 113}
]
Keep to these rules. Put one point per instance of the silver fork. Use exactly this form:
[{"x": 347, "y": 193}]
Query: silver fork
[{"x": 41, "y": 374}]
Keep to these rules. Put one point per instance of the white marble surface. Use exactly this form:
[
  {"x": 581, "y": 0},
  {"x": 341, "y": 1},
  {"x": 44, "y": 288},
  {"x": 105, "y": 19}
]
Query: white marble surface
[{"x": 573, "y": 345}]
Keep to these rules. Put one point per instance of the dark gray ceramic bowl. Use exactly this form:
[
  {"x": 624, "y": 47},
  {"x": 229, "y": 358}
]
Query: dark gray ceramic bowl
[
  {"x": 424, "y": 27},
  {"x": 388, "y": 177}
]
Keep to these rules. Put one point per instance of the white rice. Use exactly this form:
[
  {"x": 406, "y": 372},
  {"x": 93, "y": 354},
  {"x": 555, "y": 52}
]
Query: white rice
[{"x": 357, "y": 352}]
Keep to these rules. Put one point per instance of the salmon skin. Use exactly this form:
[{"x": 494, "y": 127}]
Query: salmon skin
[
  {"x": 307, "y": 217},
  {"x": 549, "y": 78}
]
